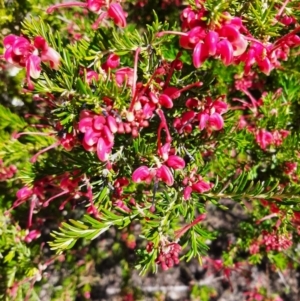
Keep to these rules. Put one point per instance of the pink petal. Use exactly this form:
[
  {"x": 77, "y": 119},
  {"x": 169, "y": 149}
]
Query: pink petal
[
  {"x": 264, "y": 138},
  {"x": 98, "y": 122},
  {"x": 85, "y": 123},
  {"x": 140, "y": 174},
  {"x": 165, "y": 175},
  {"x": 33, "y": 66},
  {"x": 220, "y": 106},
  {"x": 51, "y": 56},
  {"x": 91, "y": 137},
  {"x": 112, "y": 62},
  {"x": 200, "y": 54},
  {"x": 112, "y": 124},
  {"x": 22, "y": 46},
  {"x": 239, "y": 46},
  {"x": 203, "y": 118},
  {"x": 188, "y": 116},
  {"x": 201, "y": 186},
  {"x": 40, "y": 43},
  {"x": 95, "y": 5},
  {"x": 124, "y": 74},
  {"x": 230, "y": 32},
  {"x": 265, "y": 66},
  {"x": 164, "y": 151},
  {"x": 225, "y": 50},
  {"x": 175, "y": 162},
  {"x": 166, "y": 101},
  {"x": 102, "y": 150},
  {"x": 216, "y": 121},
  {"x": 196, "y": 34},
  {"x": 9, "y": 40},
  {"x": 89, "y": 148},
  {"x": 10, "y": 57},
  {"x": 148, "y": 110},
  {"x": 211, "y": 41},
  {"x": 185, "y": 43},
  {"x": 187, "y": 192},
  {"x": 172, "y": 92},
  {"x": 24, "y": 193},
  {"x": 115, "y": 11},
  {"x": 108, "y": 134}
]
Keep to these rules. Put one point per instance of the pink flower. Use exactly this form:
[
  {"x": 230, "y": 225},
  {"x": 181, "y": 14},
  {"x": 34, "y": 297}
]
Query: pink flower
[
  {"x": 175, "y": 162},
  {"x": 236, "y": 39},
  {"x": 24, "y": 193},
  {"x": 124, "y": 75},
  {"x": 21, "y": 53},
  {"x": 290, "y": 168},
  {"x": 164, "y": 150},
  {"x": 211, "y": 117},
  {"x": 216, "y": 121},
  {"x": 141, "y": 174},
  {"x": 112, "y": 62},
  {"x": 48, "y": 54},
  {"x": 17, "y": 50},
  {"x": 230, "y": 32},
  {"x": 187, "y": 192},
  {"x": 90, "y": 76},
  {"x": 121, "y": 205},
  {"x": 221, "y": 107},
  {"x": 95, "y": 5},
  {"x": 172, "y": 92},
  {"x": 166, "y": 101},
  {"x": 116, "y": 12},
  {"x": 33, "y": 234},
  {"x": 201, "y": 186},
  {"x": 263, "y": 138},
  {"x": 98, "y": 134},
  {"x": 239, "y": 46},
  {"x": 254, "y": 247}
]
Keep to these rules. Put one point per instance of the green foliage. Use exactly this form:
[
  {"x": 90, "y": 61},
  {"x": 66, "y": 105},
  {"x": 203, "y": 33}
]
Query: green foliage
[{"x": 230, "y": 161}]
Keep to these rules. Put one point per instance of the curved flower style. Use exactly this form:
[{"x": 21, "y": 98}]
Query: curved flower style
[{"x": 101, "y": 7}]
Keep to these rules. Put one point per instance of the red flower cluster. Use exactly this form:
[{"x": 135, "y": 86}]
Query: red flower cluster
[
  {"x": 209, "y": 116},
  {"x": 225, "y": 41},
  {"x": 265, "y": 138},
  {"x": 21, "y": 53},
  {"x": 194, "y": 183},
  {"x": 276, "y": 241},
  {"x": 168, "y": 255},
  {"x": 228, "y": 39},
  {"x": 66, "y": 185},
  {"x": 272, "y": 241},
  {"x": 6, "y": 172}
]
